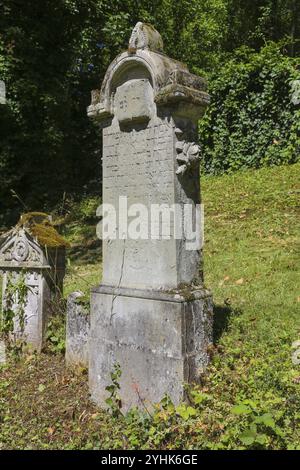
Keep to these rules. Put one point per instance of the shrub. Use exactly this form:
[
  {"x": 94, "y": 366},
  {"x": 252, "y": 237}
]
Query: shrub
[{"x": 253, "y": 120}]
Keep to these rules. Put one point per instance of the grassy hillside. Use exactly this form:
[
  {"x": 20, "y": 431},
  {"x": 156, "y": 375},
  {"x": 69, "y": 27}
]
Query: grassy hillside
[{"x": 249, "y": 397}]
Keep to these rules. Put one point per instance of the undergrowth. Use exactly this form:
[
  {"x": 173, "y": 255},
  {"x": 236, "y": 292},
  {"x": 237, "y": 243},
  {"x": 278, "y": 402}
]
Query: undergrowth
[{"x": 248, "y": 398}]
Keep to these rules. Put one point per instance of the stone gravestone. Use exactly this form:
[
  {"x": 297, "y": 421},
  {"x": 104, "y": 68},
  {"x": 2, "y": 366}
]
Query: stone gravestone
[
  {"x": 77, "y": 330},
  {"x": 33, "y": 249},
  {"x": 151, "y": 313},
  {"x": 2, "y": 101}
]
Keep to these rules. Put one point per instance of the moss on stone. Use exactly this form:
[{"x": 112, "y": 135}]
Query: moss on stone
[
  {"x": 185, "y": 290},
  {"x": 39, "y": 225}
]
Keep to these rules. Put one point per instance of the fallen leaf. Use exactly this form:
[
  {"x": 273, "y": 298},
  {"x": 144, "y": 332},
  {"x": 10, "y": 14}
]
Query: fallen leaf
[{"x": 240, "y": 281}]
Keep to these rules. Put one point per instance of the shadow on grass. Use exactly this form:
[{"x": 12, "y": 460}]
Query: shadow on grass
[{"x": 222, "y": 316}]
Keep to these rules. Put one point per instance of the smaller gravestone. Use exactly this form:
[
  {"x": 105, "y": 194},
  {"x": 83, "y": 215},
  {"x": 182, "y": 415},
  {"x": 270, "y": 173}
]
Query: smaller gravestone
[
  {"x": 32, "y": 262},
  {"x": 2, "y": 344},
  {"x": 77, "y": 330}
]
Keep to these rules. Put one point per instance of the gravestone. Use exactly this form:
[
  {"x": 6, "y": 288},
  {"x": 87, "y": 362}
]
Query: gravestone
[
  {"x": 32, "y": 254},
  {"x": 151, "y": 313},
  {"x": 77, "y": 330},
  {"x": 2, "y": 101}
]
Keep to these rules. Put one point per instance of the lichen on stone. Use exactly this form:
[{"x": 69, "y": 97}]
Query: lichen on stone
[{"x": 40, "y": 226}]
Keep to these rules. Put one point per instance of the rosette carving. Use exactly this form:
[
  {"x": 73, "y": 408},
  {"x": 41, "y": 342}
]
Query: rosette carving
[{"x": 188, "y": 153}]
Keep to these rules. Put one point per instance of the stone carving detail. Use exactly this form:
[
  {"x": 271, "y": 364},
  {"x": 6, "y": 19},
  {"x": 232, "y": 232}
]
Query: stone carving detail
[
  {"x": 184, "y": 78},
  {"x": 188, "y": 153},
  {"x": 133, "y": 101},
  {"x": 20, "y": 251},
  {"x": 144, "y": 36},
  {"x": 7, "y": 255}
]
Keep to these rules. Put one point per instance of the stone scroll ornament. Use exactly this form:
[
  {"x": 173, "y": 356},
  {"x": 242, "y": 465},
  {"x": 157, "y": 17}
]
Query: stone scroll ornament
[
  {"x": 188, "y": 153},
  {"x": 21, "y": 249},
  {"x": 144, "y": 36}
]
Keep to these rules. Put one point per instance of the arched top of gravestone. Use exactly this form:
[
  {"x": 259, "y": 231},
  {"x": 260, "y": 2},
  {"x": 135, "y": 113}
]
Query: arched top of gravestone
[
  {"x": 30, "y": 242},
  {"x": 170, "y": 79}
]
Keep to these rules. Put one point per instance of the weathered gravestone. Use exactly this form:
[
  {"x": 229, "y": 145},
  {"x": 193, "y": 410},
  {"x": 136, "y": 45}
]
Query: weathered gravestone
[
  {"x": 2, "y": 101},
  {"x": 32, "y": 260},
  {"x": 151, "y": 313},
  {"x": 77, "y": 330}
]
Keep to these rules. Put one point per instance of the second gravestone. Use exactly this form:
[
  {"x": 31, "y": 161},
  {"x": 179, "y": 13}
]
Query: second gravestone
[{"x": 151, "y": 313}]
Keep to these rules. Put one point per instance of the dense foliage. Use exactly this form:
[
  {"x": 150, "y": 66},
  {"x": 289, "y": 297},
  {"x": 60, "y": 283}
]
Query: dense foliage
[
  {"x": 53, "y": 53},
  {"x": 253, "y": 119}
]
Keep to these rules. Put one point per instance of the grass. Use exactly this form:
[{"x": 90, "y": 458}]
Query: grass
[{"x": 250, "y": 396}]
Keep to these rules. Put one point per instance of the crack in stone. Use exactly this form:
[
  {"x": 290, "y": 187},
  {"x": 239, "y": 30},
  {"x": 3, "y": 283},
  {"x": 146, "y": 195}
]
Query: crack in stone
[{"x": 119, "y": 283}]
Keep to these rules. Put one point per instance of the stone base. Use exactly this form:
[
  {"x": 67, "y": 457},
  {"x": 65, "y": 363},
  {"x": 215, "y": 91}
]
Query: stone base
[{"x": 160, "y": 340}]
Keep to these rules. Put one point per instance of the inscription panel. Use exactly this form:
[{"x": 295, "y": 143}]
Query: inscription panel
[{"x": 138, "y": 163}]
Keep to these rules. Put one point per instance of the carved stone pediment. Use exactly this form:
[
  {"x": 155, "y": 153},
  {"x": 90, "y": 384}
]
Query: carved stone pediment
[
  {"x": 172, "y": 83},
  {"x": 19, "y": 249}
]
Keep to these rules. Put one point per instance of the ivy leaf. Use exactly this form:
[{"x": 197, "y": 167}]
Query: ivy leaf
[
  {"x": 199, "y": 397},
  {"x": 241, "y": 410},
  {"x": 261, "y": 439},
  {"x": 266, "y": 419},
  {"x": 185, "y": 412},
  {"x": 109, "y": 402},
  {"x": 247, "y": 437}
]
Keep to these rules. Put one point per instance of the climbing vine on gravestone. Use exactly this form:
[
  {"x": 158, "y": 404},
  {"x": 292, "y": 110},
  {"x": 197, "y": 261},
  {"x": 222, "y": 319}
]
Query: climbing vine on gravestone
[{"x": 15, "y": 300}]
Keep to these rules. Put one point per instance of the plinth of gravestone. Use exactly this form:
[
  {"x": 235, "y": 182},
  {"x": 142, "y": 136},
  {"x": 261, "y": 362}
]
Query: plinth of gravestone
[
  {"x": 77, "y": 330},
  {"x": 151, "y": 313},
  {"x": 34, "y": 251}
]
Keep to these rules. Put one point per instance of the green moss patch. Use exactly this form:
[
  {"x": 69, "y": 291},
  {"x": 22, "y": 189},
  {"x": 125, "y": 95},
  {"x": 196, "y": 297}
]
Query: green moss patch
[{"x": 40, "y": 227}]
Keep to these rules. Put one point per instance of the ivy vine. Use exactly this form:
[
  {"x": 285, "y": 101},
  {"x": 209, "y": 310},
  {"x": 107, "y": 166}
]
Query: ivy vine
[{"x": 14, "y": 304}]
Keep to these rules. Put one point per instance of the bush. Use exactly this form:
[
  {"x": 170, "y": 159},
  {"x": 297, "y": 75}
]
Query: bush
[{"x": 252, "y": 120}]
